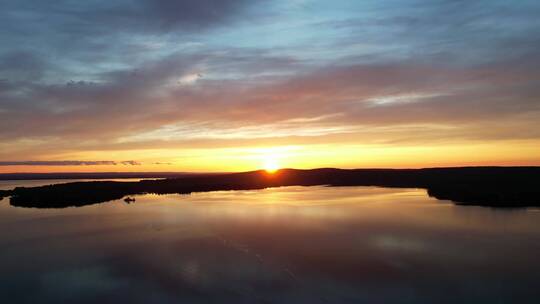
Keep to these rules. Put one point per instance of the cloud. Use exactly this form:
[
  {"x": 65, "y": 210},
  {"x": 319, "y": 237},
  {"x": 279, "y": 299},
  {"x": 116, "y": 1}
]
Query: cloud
[
  {"x": 127, "y": 15},
  {"x": 146, "y": 106},
  {"x": 442, "y": 30},
  {"x": 86, "y": 76},
  {"x": 68, "y": 163},
  {"x": 167, "y": 14},
  {"x": 130, "y": 162}
]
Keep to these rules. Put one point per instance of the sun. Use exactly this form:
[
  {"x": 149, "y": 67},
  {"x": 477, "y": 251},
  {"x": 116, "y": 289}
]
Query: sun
[{"x": 271, "y": 165}]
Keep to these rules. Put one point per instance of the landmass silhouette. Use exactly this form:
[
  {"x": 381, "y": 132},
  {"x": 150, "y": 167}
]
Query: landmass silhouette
[{"x": 482, "y": 186}]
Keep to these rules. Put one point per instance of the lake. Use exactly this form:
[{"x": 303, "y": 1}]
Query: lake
[{"x": 280, "y": 245}]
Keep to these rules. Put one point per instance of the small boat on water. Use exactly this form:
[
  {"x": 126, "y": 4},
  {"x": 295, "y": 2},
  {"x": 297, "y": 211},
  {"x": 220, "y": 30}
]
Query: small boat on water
[{"x": 129, "y": 200}]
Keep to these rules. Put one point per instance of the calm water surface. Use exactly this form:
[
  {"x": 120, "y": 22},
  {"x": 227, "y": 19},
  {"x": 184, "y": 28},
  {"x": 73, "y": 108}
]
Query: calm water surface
[{"x": 284, "y": 245}]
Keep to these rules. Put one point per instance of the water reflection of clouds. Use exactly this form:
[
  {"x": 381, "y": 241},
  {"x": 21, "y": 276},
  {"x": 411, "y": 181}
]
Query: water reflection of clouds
[
  {"x": 389, "y": 242},
  {"x": 284, "y": 245}
]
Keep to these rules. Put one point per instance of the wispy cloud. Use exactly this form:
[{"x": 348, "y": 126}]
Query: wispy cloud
[{"x": 69, "y": 163}]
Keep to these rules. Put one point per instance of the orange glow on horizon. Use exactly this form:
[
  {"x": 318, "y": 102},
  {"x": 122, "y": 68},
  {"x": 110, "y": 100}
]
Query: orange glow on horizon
[{"x": 307, "y": 156}]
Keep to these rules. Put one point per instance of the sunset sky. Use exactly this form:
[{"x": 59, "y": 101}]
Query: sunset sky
[{"x": 231, "y": 85}]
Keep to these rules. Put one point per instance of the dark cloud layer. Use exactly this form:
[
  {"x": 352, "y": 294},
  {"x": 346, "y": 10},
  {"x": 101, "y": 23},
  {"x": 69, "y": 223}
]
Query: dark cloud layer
[
  {"x": 95, "y": 17},
  {"x": 68, "y": 163}
]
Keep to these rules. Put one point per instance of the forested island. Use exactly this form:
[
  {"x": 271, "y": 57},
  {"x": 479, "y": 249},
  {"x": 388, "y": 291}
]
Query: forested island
[{"x": 483, "y": 186}]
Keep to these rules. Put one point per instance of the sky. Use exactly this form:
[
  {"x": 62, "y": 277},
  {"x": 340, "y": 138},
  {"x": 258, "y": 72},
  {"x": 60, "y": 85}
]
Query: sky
[{"x": 233, "y": 85}]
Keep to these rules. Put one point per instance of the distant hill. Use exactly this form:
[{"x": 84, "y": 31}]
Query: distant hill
[{"x": 484, "y": 186}]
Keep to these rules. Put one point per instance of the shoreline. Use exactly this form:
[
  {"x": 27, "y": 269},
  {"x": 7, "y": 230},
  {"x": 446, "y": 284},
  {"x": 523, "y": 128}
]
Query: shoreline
[{"x": 512, "y": 187}]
